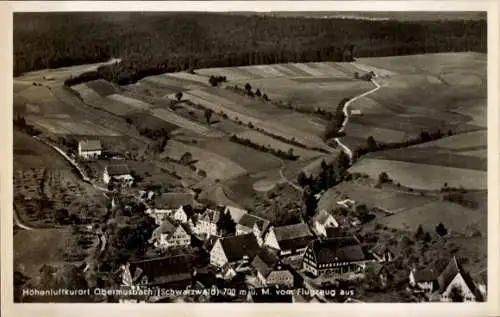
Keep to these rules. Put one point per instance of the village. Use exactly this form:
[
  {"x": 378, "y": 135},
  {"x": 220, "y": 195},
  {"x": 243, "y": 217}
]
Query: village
[{"x": 226, "y": 254}]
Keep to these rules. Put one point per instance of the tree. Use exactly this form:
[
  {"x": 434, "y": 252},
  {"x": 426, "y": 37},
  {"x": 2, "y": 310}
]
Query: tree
[
  {"x": 178, "y": 96},
  {"x": 456, "y": 294},
  {"x": 266, "y": 98},
  {"x": 248, "y": 87},
  {"x": 226, "y": 225},
  {"x": 383, "y": 178},
  {"x": 371, "y": 144},
  {"x": 61, "y": 215},
  {"x": 302, "y": 179},
  {"x": 309, "y": 203},
  {"x": 258, "y": 93},
  {"x": 186, "y": 158},
  {"x": 419, "y": 235},
  {"x": 208, "y": 115},
  {"x": 441, "y": 229}
]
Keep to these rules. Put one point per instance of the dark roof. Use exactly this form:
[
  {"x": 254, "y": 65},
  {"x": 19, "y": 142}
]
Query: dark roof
[
  {"x": 335, "y": 232},
  {"x": 163, "y": 270},
  {"x": 117, "y": 169},
  {"x": 90, "y": 145},
  {"x": 249, "y": 220},
  {"x": 236, "y": 247},
  {"x": 452, "y": 269},
  {"x": 166, "y": 227},
  {"x": 380, "y": 248},
  {"x": 346, "y": 249},
  {"x": 260, "y": 295},
  {"x": 173, "y": 200},
  {"x": 265, "y": 261},
  {"x": 293, "y": 237},
  {"x": 425, "y": 275}
]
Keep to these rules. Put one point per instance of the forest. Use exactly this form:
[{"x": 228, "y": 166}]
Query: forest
[{"x": 152, "y": 42}]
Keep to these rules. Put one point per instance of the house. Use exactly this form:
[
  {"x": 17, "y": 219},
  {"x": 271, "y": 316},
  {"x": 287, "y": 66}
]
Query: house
[
  {"x": 334, "y": 257},
  {"x": 424, "y": 279},
  {"x": 173, "y": 205},
  {"x": 235, "y": 250},
  {"x": 170, "y": 235},
  {"x": 235, "y": 212},
  {"x": 118, "y": 172},
  {"x": 322, "y": 220},
  {"x": 270, "y": 271},
  {"x": 454, "y": 278},
  {"x": 206, "y": 223},
  {"x": 170, "y": 271},
  {"x": 382, "y": 252},
  {"x": 89, "y": 149},
  {"x": 291, "y": 240},
  {"x": 270, "y": 295}
]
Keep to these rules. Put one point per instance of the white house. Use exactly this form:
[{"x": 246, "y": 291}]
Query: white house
[
  {"x": 206, "y": 223},
  {"x": 234, "y": 250},
  {"x": 118, "y": 172},
  {"x": 89, "y": 149},
  {"x": 424, "y": 280},
  {"x": 289, "y": 240},
  {"x": 323, "y": 220},
  {"x": 170, "y": 235}
]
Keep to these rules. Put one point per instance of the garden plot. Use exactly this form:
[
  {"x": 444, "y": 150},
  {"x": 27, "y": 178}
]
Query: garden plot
[
  {"x": 422, "y": 176},
  {"x": 271, "y": 143},
  {"x": 216, "y": 166}
]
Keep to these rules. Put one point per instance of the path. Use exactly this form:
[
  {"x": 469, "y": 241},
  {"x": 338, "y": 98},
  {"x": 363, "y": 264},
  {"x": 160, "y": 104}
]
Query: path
[
  {"x": 344, "y": 147},
  {"x": 18, "y": 222}
]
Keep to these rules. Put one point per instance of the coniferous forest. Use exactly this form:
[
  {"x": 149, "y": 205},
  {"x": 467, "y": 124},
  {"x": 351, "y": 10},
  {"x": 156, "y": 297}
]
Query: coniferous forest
[{"x": 153, "y": 43}]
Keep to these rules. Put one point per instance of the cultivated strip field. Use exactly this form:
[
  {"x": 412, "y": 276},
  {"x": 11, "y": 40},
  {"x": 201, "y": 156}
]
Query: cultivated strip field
[
  {"x": 65, "y": 126},
  {"x": 459, "y": 143},
  {"x": 216, "y": 166},
  {"x": 138, "y": 104},
  {"x": 422, "y": 176},
  {"x": 173, "y": 118},
  {"x": 264, "y": 140}
]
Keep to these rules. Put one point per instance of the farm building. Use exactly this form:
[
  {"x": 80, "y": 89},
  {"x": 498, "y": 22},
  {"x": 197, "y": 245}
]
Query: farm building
[
  {"x": 334, "y": 257},
  {"x": 173, "y": 205},
  {"x": 235, "y": 250},
  {"x": 252, "y": 224},
  {"x": 169, "y": 271},
  {"x": 118, "y": 172},
  {"x": 289, "y": 240},
  {"x": 170, "y": 235},
  {"x": 89, "y": 149},
  {"x": 235, "y": 212},
  {"x": 270, "y": 272}
]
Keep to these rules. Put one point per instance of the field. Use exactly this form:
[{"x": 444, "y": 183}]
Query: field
[
  {"x": 455, "y": 218},
  {"x": 469, "y": 144},
  {"x": 216, "y": 166},
  {"x": 422, "y": 176},
  {"x": 32, "y": 249},
  {"x": 174, "y": 119},
  {"x": 271, "y": 143},
  {"x": 391, "y": 201}
]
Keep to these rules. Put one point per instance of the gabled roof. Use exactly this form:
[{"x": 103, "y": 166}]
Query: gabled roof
[
  {"x": 167, "y": 226},
  {"x": 173, "y": 200},
  {"x": 265, "y": 261},
  {"x": 117, "y": 169},
  {"x": 248, "y": 220},
  {"x": 345, "y": 249},
  {"x": 90, "y": 145},
  {"x": 293, "y": 237},
  {"x": 380, "y": 248},
  {"x": 280, "y": 274},
  {"x": 163, "y": 270},
  {"x": 237, "y": 247},
  {"x": 452, "y": 269},
  {"x": 235, "y": 212}
]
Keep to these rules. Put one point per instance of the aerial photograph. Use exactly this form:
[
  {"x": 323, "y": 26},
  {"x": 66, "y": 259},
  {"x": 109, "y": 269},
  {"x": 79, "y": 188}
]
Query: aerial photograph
[{"x": 249, "y": 157}]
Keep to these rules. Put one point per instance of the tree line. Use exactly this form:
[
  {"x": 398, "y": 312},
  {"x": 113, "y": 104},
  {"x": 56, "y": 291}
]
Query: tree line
[{"x": 152, "y": 43}]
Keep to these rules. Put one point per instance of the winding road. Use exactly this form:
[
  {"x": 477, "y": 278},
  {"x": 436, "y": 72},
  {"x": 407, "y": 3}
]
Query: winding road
[{"x": 344, "y": 147}]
